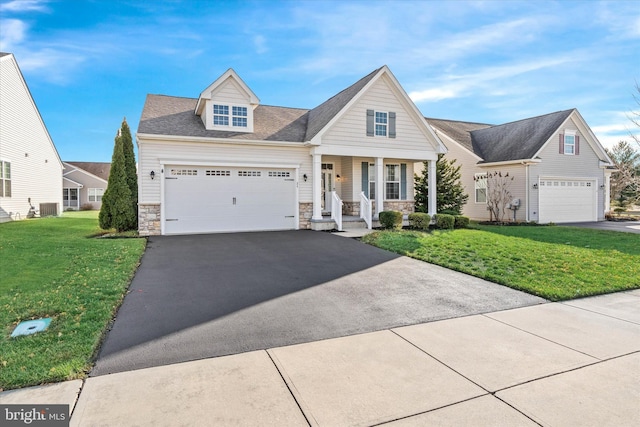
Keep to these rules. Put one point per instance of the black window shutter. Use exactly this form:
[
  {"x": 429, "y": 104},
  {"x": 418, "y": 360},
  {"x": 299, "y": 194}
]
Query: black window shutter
[
  {"x": 392, "y": 124},
  {"x": 370, "y": 117},
  {"x": 365, "y": 178}
]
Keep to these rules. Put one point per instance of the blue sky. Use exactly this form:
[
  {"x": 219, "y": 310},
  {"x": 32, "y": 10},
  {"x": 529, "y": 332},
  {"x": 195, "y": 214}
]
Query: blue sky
[{"x": 90, "y": 63}]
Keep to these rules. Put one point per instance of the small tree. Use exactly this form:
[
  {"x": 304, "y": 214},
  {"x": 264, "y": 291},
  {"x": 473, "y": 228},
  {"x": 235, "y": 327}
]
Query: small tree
[
  {"x": 450, "y": 195},
  {"x": 498, "y": 194},
  {"x": 635, "y": 116},
  {"x": 625, "y": 183},
  {"x": 117, "y": 209}
]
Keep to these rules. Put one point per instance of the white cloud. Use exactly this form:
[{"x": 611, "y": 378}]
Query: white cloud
[
  {"x": 24, "y": 6},
  {"x": 12, "y": 32},
  {"x": 436, "y": 94}
]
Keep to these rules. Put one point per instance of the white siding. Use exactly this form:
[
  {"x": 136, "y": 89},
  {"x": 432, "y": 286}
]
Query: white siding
[
  {"x": 517, "y": 189},
  {"x": 584, "y": 165},
  {"x": 36, "y": 170},
  {"x": 468, "y": 170},
  {"x": 151, "y": 152},
  {"x": 230, "y": 92},
  {"x": 350, "y": 129}
]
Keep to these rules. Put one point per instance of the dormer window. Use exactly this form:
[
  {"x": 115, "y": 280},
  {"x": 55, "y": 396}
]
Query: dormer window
[
  {"x": 221, "y": 116},
  {"x": 239, "y": 116}
]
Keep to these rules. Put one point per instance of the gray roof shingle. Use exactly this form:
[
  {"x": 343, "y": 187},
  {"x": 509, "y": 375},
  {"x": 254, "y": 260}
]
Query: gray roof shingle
[
  {"x": 519, "y": 140},
  {"x": 170, "y": 115},
  {"x": 99, "y": 169}
]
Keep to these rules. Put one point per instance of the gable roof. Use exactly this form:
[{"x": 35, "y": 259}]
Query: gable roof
[
  {"x": 320, "y": 116},
  {"x": 229, "y": 74},
  {"x": 98, "y": 169},
  {"x": 519, "y": 140},
  {"x": 176, "y": 116}
]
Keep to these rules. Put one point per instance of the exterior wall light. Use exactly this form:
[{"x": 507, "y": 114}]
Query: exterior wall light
[
  {"x": 535, "y": 186},
  {"x": 304, "y": 177},
  {"x": 152, "y": 174}
]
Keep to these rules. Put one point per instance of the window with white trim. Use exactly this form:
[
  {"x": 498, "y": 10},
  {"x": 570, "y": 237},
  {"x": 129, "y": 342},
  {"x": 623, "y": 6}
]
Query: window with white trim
[
  {"x": 569, "y": 144},
  {"x": 224, "y": 115},
  {"x": 392, "y": 182},
  {"x": 381, "y": 122},
  {"x": 5, "y": 178},
  {"x": 70, "y": 195},
  {"x": 480, "y": 181},
  {"x": 220, "y": 115},
  {"x": 95, "y": 194}
]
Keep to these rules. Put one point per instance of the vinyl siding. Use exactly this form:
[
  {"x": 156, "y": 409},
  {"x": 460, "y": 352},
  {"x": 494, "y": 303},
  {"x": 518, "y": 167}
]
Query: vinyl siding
[
  {"x": 350, "y": 129},
  {"x": 584, "y": 165},
  {"x": 87, "y": 181},
  {"x": 517, "y": 189},
  {"x": 150, "y": 153},
  {"x": 468, "y": 170},
  {"x": 229, "y": 93},
  {"x": 350, "y": 181},
  {"x": 36, "y": 170}
]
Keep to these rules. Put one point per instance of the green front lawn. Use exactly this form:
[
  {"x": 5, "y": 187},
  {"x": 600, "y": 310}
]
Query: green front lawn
[
  {"x": 54, "y": 267},
  {"x": 556, "y": 263}
]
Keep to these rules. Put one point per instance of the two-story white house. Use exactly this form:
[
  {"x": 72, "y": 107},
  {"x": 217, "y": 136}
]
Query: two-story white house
[{"x": 30, "y": 167}]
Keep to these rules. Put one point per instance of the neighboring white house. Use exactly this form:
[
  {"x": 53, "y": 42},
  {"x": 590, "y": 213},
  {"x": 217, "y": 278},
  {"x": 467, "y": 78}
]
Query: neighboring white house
[
  {"x": 30, "y": 168},
  {"x": 561, "y": 171},
  {"x": 223, "y": 162},
  {"x": 84, "y": 184}
]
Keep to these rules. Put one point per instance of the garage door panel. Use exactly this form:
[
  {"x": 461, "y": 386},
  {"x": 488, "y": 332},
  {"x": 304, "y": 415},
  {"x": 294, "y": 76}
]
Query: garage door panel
[
  {"x": 567, "y": 200},
  {"x": 229, "y": 199}
]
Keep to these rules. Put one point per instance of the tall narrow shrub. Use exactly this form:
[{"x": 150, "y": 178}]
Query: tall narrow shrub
[
  {"x": 117, "y": 209},
  {"x": 450, "y": 195},
  {"x": 130, "y": 165}
]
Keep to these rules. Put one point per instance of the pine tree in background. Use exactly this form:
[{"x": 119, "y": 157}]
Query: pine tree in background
[
  {"x": 117, "y": 208},
  {"x": 450, "y": 195},
  {"x": 130, "y": 166}
]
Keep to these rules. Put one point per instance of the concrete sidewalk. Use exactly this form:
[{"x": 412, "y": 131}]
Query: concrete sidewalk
[{"x": 555, "y": 364}]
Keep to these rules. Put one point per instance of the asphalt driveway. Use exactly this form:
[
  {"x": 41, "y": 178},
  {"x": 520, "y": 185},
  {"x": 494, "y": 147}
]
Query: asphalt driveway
[
  {"x": 203, "y": 296},
  {"x": 625, "y": 226}
]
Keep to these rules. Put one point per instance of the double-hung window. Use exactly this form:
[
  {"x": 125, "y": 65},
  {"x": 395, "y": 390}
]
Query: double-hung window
[
  {"x": 392, "y": 182},
  {"x": 233, "y": 116},
  {"x": 481, "y": 187},
  {"x": 220, "y": 115},
  {"x": 95, "y": 194},
  {"x": 239, "y": 118},
  {"x": 5, "y": 178},
  {"x": 381, "y": 123},
  {"x": 569, "y": 144}
]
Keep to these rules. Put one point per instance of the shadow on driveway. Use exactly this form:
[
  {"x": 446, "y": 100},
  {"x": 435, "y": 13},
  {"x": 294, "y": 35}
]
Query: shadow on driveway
[{"x": 201, "y": 296}]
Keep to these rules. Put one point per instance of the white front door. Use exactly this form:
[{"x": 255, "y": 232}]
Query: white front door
[{"x": 327, "y": 186}]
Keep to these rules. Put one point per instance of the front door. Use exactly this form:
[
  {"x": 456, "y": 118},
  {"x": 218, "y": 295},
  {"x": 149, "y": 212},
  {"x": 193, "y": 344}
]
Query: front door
[{"x": 327, "y": 186}]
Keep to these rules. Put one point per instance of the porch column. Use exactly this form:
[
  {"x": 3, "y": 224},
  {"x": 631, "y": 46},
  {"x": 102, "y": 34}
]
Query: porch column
[
  {"x": 316, "y": 182},
  {"x": 432, "y": 187},
  {"x": 379, "y": 185}
]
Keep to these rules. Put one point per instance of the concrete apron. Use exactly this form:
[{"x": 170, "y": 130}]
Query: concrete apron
[{"x": 573, "y": 363}]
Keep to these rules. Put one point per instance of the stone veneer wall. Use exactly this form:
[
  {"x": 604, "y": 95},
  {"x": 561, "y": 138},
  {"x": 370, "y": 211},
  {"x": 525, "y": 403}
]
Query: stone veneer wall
[
  {"x": 149, "y": 220},
  {"x": 404, "y": 206},
  {"x": 305, "y": 214},
  {"x": 351, "y": 208}
]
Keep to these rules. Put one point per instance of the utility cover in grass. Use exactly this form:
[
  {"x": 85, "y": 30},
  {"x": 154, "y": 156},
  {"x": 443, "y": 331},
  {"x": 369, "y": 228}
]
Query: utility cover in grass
[{"x": 29, "y": 327}]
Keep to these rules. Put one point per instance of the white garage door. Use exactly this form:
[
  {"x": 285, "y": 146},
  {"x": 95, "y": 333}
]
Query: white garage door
[
  {"x": 567, "y": 200},
  {"x": 219, "y": 199}
]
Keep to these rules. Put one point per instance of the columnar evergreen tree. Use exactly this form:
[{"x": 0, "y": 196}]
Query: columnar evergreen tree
[
  {"x": 450, "y": 195},
  {"x": 117, "y": 209},
  {"x": 130, "y": 166}
]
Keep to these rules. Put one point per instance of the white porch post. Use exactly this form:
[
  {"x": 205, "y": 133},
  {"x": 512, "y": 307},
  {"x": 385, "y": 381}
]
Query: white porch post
[
  {"x": 317, "y": 186},
  {"x": 379, "y": 185},
  {"x": 432, "y": 187}
]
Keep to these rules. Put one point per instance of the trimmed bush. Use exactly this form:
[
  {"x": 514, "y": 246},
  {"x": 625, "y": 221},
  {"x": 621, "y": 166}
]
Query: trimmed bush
[
  {"x": 449, "y": 212},
  {"x": 444, "y": 221},
  {"x": 461, "y": 221},
  {"x": 391, "y": 220},
  {"x": 419, "y": 220}
]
